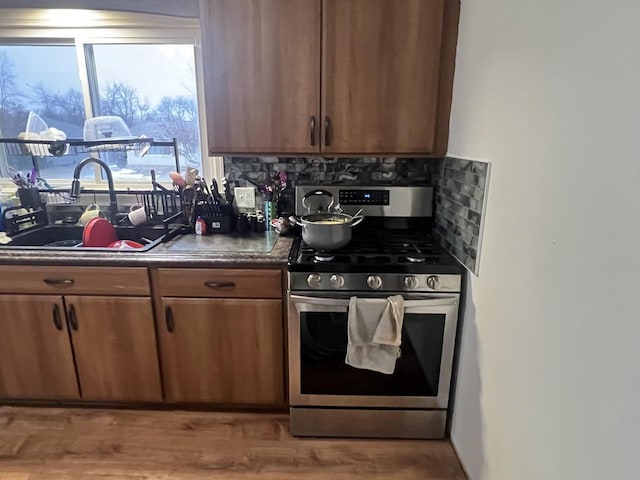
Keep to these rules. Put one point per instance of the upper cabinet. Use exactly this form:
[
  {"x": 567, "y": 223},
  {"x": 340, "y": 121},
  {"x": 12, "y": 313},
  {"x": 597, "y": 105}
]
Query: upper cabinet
[
  {"x": 261, "y": 74},
  {"x": 329, "y": 77},
  {"x": 380, "y": 75}
]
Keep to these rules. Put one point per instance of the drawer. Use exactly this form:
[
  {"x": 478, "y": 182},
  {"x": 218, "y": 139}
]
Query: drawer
[
  {"x": 226, "y": 283},
  {"x": 74, "y": 280}
]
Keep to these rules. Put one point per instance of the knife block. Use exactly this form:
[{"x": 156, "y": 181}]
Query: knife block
[{"x": 223, "y": 223}]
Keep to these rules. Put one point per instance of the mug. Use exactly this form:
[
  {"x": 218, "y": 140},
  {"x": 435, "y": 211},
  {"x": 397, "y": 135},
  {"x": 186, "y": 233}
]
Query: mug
[
  {"x": 137, "y": 214},
  {"x": 91, "y": 212}
]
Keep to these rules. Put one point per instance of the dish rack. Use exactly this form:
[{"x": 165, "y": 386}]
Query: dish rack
[
  {"x": 23, "y": 221},
  {"x": 162, "y": 206},
  {"x": 46, "y": 149}
]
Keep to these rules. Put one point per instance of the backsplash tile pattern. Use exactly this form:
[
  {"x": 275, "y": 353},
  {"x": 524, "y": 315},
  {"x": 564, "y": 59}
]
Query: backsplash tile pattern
[
  {"x": 391, "y": 171},
  {"x": 460, "y": 196}
]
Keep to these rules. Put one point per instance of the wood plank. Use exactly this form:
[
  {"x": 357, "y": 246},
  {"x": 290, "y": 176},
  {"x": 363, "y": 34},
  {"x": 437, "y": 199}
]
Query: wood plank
[
  {"x": 74, "y": 444},
  {"x": 380, "y": 74},
  {"x": 222, "y": 350},
  {"x": 74, "y": 280},
  {"x": 115, "y": 348},
  {"x": 36, "y": 361},
  {"x": 262, "y": 74}
]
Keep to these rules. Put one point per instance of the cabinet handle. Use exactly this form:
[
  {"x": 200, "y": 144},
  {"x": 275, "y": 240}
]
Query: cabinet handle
[
  {"x": 59, "y": 282},
  {"x": 56, "y": 317},
  {"x": 327, "y": 131},
  {"x": 169, "y": 319},
  {"x": 220, "y": 284},
  {"x": 313, "y": 130},
  {"x": 73, "y": 319}
]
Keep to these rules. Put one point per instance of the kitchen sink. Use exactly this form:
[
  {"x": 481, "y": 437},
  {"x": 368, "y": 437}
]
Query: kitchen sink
[{"x": 59, "y": 237}]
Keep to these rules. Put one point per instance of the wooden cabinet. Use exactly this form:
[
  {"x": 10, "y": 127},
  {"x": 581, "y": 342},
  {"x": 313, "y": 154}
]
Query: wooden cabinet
[
  {"x": 383, "y": 70},
  {"x": 115, "y": 348},
  {"x": 77, "y": 346},
  {"x": 223, "y": 343},
  {"x": 380, "y": 74},
  {"x": 74, "y": 280},
  {"x": 36, "y": 361},
  {"x": 225, "y": 283},
  {"x": 227, "y": 346},
  {"x": 262, "y": 74},
  {"x": 222, "y": 350}
]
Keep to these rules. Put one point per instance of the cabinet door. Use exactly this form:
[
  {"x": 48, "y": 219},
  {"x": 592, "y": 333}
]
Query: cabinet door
[
  {"x": 261, "y": 61},
  {"x": 115, "y": 346},
  {"x": 381, "y": 66},
  {"x": 36, "y": 361},
  {"x": 222, "y": 350}
]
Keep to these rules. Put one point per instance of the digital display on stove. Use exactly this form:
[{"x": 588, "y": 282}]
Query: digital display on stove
[{"x": 364, "y": 197}]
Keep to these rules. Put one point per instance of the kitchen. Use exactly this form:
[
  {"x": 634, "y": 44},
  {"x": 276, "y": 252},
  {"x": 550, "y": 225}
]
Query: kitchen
[{"x": 518, "y": 412}]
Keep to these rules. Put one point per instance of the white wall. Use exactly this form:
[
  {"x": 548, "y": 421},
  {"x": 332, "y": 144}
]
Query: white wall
[{"x": 549, "y": 383}]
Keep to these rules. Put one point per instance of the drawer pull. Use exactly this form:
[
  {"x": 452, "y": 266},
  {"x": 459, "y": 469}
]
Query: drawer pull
[
  {"x": 169, "y": 319},
  {"x": 59, "y": 282},
  {"x": 220, "y": 284},
  {"x": 327, "y": 131},
  {"x": 57, "y": 321},
  {"x": 312, "y": 131},
  {"x": 73, "y": 319}
]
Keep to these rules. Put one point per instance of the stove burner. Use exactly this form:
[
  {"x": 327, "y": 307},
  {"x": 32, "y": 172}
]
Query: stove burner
[
  {"x": 323, "y": 257},
  {"x": 416, "y": 258}
]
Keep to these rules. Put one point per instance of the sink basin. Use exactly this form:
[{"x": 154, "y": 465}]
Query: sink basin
[{"x": 58, "y": 237}]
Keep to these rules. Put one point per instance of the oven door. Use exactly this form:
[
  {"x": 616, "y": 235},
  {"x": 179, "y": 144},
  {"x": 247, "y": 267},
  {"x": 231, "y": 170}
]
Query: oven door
[{"x": 319, "y": 376}]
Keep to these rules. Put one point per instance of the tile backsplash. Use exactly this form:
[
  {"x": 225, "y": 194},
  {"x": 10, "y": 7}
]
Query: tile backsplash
[
  {"x": 392, "y": 171},
  {"x": 461, "y": 188}
]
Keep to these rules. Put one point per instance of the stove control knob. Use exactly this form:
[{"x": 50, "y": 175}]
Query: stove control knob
[
  {"x": 314, "y": 280},
  {"x": 411, "y": 282},
  {"x": 433, "y": 282},
  {"x": 336, "y": 281},
  {"x": 374, "y": 282}
]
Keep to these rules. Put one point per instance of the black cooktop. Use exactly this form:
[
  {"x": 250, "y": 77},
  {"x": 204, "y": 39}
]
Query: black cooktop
[{"x": 376, "y": 251}]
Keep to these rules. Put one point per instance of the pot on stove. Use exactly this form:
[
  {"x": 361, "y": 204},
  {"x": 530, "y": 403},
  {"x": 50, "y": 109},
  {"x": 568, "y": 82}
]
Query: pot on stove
[{"x": 326, "y": 231}]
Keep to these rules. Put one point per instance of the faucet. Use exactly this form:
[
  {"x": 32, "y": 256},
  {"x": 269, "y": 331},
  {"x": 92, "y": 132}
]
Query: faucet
[{"x": 75, "y": 184}]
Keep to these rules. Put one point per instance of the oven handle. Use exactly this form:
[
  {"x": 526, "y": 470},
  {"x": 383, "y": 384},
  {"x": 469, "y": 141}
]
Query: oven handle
[{"x": 439, "y": 301}]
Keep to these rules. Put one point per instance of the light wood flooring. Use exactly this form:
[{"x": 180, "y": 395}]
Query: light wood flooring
[{"x": 92, "y": 444}]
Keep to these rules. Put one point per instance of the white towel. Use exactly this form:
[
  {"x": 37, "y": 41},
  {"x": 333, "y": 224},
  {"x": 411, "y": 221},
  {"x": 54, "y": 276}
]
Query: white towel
[{"x": 375, "y": 333}]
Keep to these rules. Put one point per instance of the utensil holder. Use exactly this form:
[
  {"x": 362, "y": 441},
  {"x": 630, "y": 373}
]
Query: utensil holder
[
  {"x": 29, "y": 197},
  {"x": 223, "y": 223}
]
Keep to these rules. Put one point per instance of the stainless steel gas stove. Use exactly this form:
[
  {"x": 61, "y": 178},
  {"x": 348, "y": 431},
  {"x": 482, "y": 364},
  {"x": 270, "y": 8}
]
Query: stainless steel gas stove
[{"x": 391, "y": 253}]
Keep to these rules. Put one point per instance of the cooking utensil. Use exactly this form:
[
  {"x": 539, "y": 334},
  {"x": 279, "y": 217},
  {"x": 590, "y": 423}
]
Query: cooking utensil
[
  {"x": 228, "y": 193},
  {"x": 191, "y": 177},
  {"x": 327, "y": 231},
  {"x": 98, "y": 233},
  {"x": 177, "y": 179}
]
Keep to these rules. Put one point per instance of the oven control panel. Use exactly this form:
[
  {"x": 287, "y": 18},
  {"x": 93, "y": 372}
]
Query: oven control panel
[
  {"x": 374, "y": 200},
  {"x": 363, "y": 197},
  {"x": 390, "y": 282}
]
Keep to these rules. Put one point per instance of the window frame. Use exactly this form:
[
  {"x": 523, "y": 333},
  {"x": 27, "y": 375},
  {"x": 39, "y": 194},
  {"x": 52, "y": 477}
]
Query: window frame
[{"x": 33, "y": 27}]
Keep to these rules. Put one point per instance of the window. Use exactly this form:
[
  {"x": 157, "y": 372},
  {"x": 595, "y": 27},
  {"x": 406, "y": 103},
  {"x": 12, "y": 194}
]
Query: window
[
  {"x": 43, "y": 79},
  {"x": 153, "y": 89},
  {"x": 143, "y": 68}
]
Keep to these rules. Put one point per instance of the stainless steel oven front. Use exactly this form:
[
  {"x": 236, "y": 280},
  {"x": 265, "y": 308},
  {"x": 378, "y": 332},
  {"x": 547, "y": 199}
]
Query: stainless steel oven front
[{"x": 319, "y": 377}]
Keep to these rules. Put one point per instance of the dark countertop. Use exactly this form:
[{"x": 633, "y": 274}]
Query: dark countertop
[{"x": 185, "y": 251}]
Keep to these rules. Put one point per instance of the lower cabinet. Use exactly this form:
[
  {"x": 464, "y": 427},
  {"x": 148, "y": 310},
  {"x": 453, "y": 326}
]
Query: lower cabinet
[
  {"x": 113, "y": 339},
  {"x": 36, "y": 360},
  {"x": 222, "y": 350},
  {"x": 115, "y": 348}
]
